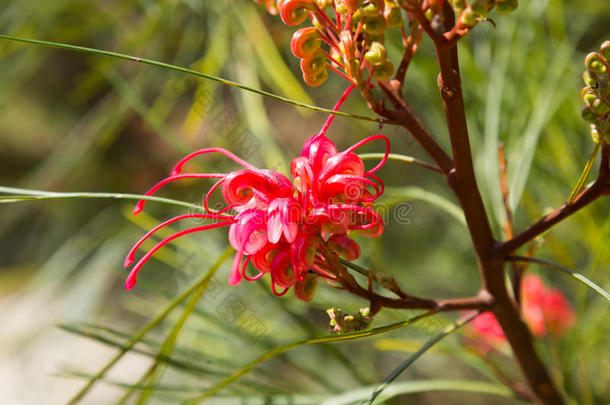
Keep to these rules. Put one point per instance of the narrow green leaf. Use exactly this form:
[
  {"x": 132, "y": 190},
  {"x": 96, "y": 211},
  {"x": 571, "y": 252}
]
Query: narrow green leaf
[
  {"x": 582, "y": 180},
  {"x": 410, "y": 387},
  {"x": 400, "y": 158},
  {"x": 394, "y": 374},
  {"x": 564, "y": 269},
  {"x": 147, "y": 328},
  {"x": 418, "y": 193},
  {"x": 281, "y": 349},
  {"x": 155, "y": 371},
  {"x": 188, "y": 71},
  {"x": 21, "y": 194}
]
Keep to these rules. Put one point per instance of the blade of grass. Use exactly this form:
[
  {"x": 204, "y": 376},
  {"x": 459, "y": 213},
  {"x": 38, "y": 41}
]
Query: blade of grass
[
  {"x": 582, "y": 180},
  {"x": 281, "y": 349},
  {"x": 400, "y": 158},
  {"x": 394, "y": 374},
  {"x": 399, "y": 194},
  {"x": 564, "y": 269},
  {"x": 190, "y": 72},
  {"x": 147, "y": 328},
  {"x": 155, "y": 372},
  {"x": 20, "y": 194},
  {"x": 410, "y": 387}
]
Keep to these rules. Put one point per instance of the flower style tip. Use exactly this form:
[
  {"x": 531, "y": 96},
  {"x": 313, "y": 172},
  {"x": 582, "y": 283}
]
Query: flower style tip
[{"x": 138, "y": 208}]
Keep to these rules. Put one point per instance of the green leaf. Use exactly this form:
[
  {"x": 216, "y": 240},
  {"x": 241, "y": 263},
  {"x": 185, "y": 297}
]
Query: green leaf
[
  {"x": 564, "y": 269},
  {"x": 281, "y": 349},
  {"x": 188, "y": 71},
  {"x": 402, "y": 367},
  {"x": 394, "y": 195},
  {"x": 204, "y": 279},
  {"x": 400, "y": 158},
  {"x": 410, "y": 387},
  {"x": 21, "y": 195},
  {"x": 582, "y": 180}
]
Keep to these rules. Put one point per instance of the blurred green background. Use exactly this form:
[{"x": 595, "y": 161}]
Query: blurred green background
[{"x": 76, "y": 122}]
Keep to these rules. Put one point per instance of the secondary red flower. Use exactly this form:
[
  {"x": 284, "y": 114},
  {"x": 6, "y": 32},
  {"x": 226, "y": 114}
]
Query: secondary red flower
[
  {"x": 543, "y": 309},
  {"x": 287, "y": 228}
]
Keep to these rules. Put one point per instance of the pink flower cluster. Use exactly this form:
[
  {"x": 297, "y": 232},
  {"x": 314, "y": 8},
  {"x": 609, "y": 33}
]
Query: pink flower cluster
[
  {"x": 543, "y": 309},
  {"x": 287, "y": 228}
]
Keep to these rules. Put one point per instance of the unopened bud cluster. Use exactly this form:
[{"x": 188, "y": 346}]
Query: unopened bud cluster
[
  {"x": 345, "y": 36},
  {"x": 596, "y": 93}
]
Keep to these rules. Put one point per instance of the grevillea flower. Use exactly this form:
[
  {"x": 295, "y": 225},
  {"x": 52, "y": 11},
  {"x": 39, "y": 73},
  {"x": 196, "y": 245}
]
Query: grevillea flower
[
  {"x": 543, "y": 309},
  {"x": 287, "y": 228}
]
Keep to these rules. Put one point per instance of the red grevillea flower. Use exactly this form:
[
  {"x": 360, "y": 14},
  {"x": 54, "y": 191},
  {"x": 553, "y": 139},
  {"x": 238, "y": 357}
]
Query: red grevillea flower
[
  {"x": 286, "y": 228},
  {"x": 544, "y": 309}
]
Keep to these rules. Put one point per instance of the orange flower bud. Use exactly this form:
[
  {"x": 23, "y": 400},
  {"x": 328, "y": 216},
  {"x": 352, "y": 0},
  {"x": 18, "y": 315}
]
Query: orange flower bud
[
  {"x": 305, "y": 42},
  {"x": 315, "y": 64},
  {"x": 295, "y": 12}
]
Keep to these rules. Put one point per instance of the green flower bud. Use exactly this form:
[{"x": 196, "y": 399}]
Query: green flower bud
[
  {"x": 605, "y": 50},
  {"x": 370, "y": 10},
  {"x": 595, "y": 63},
  {"x": 429, "y": 14},
  {"x": 385, "y": 71},
  {"x": 468, "y": 17},
  {"x": 479, "y": 7},
  {"x": 377, "y": 54},
  {"x": 588, "y": 115},
  {"x": 393, "y": 17},
  {"x": 507, "y": 6},
  {"x": 457, "y": 5},
  {"x": 600, "y": 107},
  {"x": 588, "y": 96},
  {"x": 341, "y": 8},
  {"x": 376, "y": 38},
  {"x": 374, "y": 25},
  {"x": 589, "y": 79}
]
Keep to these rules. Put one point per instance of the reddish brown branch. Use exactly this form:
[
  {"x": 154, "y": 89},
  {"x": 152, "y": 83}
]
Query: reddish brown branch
[
  {"x": 410, "y": 45},
  {"x": 586, "y": 197},
  {"x": 404, "y": 116},
  {"x": 491, "y": 264}
]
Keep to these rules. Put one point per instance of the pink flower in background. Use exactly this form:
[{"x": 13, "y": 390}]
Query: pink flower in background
[
  {"x": 543, "y": 309},
  {"x": 287, "y": 228}
]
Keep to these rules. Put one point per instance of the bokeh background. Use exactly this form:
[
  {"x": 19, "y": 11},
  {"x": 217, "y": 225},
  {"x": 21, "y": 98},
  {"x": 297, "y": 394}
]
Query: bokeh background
[{"x": 75, "y": 122}]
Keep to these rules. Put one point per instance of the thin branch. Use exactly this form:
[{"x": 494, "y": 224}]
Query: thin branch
[
  {"x": 586, "y": 197},
  {"x": 410, "y": 46},
  {"x": 404, "y": 116}
]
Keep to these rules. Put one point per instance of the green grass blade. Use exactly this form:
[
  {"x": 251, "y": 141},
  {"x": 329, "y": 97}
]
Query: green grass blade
[
  {"x": 415, "y": 386},
  {"x": 20, "y": 195},
  {"x": 417, "y": 193},
  {"x": 321, "y": 339},
  {"x": 147, "y": 328},
  {"x": 564, "y": 269},
  {"x": 155, "y": 371},
  {"x": 582, "y": 180},
  {"x": 188, "y": 71},
  {"x": 400, "y": 158},
  {"x": 437, "y": 338}
]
